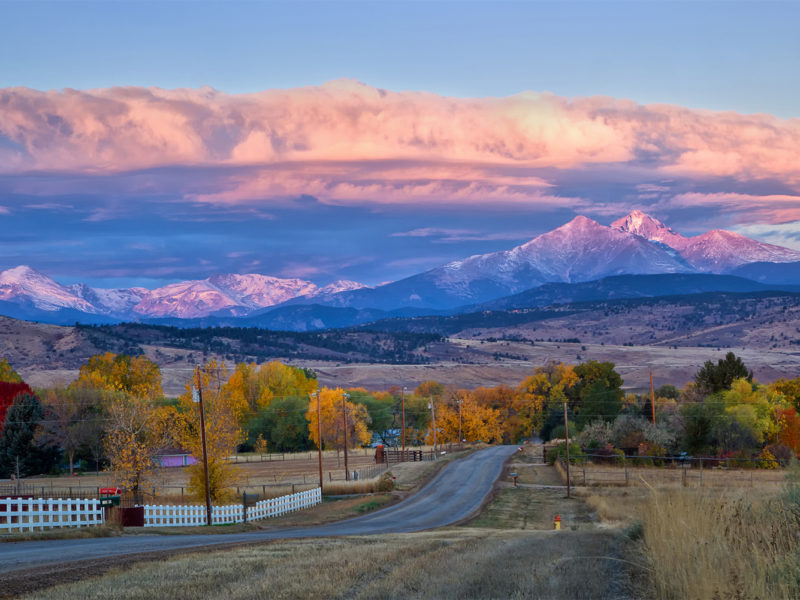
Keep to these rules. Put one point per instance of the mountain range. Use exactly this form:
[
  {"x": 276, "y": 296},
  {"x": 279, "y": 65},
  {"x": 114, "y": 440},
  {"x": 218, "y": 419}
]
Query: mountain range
[{"x": 579, "y": 251}]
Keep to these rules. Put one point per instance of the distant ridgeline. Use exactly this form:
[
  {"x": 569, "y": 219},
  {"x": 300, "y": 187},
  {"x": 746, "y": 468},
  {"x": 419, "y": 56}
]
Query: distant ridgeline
[{"x": 241, "y": 344}]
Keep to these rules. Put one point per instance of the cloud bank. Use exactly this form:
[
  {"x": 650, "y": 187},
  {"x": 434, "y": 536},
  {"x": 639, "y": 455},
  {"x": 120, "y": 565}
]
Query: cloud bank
[{"x": 346, "y": 142}]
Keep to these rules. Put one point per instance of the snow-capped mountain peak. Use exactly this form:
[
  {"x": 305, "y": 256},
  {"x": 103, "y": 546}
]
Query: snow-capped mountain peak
[
  {"x": 718, "y": 251},
  {"x": 23, "y": 283},
  {"x": 650, "y": 228}
]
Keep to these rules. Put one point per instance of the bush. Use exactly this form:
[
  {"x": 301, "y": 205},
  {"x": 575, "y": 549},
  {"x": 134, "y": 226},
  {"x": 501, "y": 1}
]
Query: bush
[
  {"x": 595, "y": 435},
  {"x": 782, "y": 453},
  {"x": 766, "y": 460},
  {"x": 560, "y": 452},
  {"x": 608, "y": 455}
]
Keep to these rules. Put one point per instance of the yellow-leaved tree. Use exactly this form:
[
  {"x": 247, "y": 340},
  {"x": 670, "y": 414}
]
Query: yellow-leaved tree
[
  {"x": 254, "y": 387},
  {"x": 540, "y": 392},
  {"x": 333, "y": 420},
  {"x": 223, "y": 415},
  {"x": 135, "y": 375},
  {"x": 462, "y": 413},
  {"x": 137, "y": 430}
]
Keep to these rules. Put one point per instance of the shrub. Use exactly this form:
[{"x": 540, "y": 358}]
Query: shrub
[
  {"x": 560, "y": 452},
  {"x": 595, "y": 435}
]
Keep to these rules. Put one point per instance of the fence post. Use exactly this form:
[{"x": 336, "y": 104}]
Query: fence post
[
  {"x": 683, "y": 481},
  {"x": 625, "y": 464}
]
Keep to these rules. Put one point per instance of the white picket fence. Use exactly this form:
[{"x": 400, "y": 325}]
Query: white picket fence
[
  {"x": 182, "y": 516},
  {"x": 38, "y": 514}
]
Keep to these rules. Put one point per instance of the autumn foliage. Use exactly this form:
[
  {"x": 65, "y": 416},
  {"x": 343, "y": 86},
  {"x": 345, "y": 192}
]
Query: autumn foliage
[{"x": 9, "y": 391}]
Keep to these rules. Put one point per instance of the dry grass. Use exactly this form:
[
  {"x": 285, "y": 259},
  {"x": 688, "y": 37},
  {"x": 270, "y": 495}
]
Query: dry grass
[
  {"x": 455, "y": 564},
  {"x": 610, "y": 475},
  {"x": 708, "y": 545},
  {"x": 66, "y": 533}
]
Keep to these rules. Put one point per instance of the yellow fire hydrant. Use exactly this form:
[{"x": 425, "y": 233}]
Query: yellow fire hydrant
[{"x": 557, "y": 523}]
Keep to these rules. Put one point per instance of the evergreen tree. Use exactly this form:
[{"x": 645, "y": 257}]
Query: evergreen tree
[
  {"x": 712, "y": 378},
  {"x": 18, "y": 445}
]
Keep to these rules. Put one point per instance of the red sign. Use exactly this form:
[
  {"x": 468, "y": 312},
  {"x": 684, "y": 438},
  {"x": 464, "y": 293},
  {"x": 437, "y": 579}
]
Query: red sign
[{"x": 111, "y": 491}]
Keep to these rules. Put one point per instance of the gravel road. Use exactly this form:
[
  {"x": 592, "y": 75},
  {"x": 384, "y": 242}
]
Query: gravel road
[{"x": 453, "y": 495}]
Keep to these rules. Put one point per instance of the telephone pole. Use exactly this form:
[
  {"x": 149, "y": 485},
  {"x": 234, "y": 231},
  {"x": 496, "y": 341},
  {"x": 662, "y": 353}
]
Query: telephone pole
[
  {"x": 433, "y": 419},
  {"x": 344, "y": 418},
  {"x": 652, "y": 398},
  {"x": 203, "y": 441},
  {"x": 566, "y": 434},
  {"x": 403, "y": 405},
  {"x": 319, "y": 440},
  {"x": 460, "y": 437}
]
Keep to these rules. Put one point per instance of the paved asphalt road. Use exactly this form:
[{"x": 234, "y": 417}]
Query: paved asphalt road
[{"x": 456, "y": 493}]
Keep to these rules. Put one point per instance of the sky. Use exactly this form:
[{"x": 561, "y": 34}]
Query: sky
[{"x": 143, "y": 143}]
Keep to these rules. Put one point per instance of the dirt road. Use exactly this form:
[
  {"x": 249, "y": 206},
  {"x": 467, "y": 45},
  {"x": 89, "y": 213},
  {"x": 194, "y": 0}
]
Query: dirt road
[{"x": 456, "y": 493}]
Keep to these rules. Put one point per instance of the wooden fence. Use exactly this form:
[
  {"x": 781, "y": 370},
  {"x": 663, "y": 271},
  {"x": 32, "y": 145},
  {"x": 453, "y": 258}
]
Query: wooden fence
[
  {"x": 183, "y": 516},
  {"x": 38, "y": 514},
  {"x": 602, "y": 470}
]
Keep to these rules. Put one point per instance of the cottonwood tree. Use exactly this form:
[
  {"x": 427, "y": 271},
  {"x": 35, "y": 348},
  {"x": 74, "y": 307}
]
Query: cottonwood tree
[
  {"x": 332, "y": 420},
  {"x": 463, "y": 413},
  {"x": 137, "y": 376},
  {"x": 223, "y": 415},
  {"x": 137, "y": 432},
  {"x": 254, "y": 387}
]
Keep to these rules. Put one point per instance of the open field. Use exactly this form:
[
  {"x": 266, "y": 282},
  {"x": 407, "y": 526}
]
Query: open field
[
  {"x": 634, "y": 363},
  {"x": 272, "y": 474},
  {"x": 459, "y": 563},
  {"x": 659, "y": 540}
]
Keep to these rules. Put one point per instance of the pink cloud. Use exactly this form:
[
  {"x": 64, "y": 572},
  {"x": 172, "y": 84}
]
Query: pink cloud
[
  {"x": 773, "y": 208},
  {"x": 347, "y": 142}
]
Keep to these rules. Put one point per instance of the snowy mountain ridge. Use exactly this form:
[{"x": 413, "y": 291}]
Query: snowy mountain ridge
[{"x": 579, "y": 251}]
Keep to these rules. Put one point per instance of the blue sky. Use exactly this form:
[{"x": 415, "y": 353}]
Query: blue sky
[{"x": 90, "y": 213}]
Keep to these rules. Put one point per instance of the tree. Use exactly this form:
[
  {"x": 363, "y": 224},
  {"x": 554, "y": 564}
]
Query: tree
[
  {"x": 789, "y": 389},
  {"x": 332, "y": 420},
  {"x": 712, "y": 378},
  {"x": 223, "y": 432},
  {"x": 282, "y": 425},
  {"x": 462, "y": 412},
  {"x": 69, "y": 424},
  {"x": 19, "y": 452},
  {"x": 135, "y": 375},
  {"x": 381, "y": 408},
  {"x": 788, "y": 427},
  {"x": 254, "y": 387},
  {"x": 540, "y": 397},
  {"x": 137, "y": 431},
  {"x": 598, "y": 393},
  {"x": 8, "y": 392},
  {"x": 7, "y": 372},
  {"x": 504, "y": 400}
]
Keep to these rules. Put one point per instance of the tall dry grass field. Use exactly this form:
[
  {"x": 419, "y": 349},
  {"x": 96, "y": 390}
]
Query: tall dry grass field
[{"x": 715, "y": 545}]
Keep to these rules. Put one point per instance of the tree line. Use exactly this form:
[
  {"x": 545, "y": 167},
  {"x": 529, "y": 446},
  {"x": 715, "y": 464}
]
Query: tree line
[{"x": 116, "y": 416}]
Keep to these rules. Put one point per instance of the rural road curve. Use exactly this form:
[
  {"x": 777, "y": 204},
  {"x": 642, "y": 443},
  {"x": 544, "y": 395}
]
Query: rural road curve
[{"x": 454, "y": 494}]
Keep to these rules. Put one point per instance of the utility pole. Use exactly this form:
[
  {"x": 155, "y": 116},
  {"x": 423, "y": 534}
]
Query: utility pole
[
  {"x": 652, "y": 398},
  {"x": 344, "y": 418},
  {"x": 319, "y": 440},
  {"x": 566, "y": 434},
  {"x": 203, "y": 441},
  {"x": 403, "y": 404},
  {"x": 460, "y": 436},
  {"x": 433, "y": 419}
]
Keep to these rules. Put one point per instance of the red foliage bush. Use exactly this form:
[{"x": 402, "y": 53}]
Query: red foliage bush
[{"x": 9, "y": 391}]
